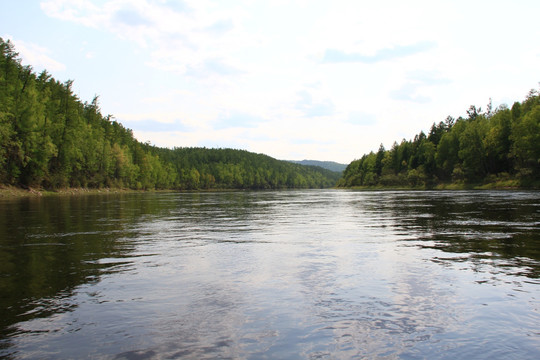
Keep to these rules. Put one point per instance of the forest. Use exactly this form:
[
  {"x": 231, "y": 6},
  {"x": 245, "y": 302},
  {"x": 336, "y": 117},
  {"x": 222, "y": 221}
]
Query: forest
[
  {"x": 51, "y": 139},
  {"x": 497, "y": 148}
]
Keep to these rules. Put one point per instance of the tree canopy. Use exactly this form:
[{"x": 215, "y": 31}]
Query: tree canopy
[
  {"x": 49, "y": 138},
  {"x": 498, "y": 146}
]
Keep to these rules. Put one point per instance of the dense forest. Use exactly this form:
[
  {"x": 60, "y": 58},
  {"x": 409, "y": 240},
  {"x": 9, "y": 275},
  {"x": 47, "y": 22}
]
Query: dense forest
[
  {"x": 51, "y": 139},
  {"x": 496, "y": 148}
]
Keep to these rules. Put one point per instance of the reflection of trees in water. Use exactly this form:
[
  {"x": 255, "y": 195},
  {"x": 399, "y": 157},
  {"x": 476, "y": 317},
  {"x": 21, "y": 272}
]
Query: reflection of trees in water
[
  {"x": 498, "y": 227},
  {"x": 334, "y": 278},
  {"x": 49, "y": 246}
]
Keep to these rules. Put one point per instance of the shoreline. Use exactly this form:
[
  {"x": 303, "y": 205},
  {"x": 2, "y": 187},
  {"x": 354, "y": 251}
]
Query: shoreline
[
  {"x": 13, "y": 192},
  {"x": 443, "y": 187}
]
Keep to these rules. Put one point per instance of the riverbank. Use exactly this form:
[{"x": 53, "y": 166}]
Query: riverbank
[
  {"x": 496, "y": 185},
  {"x": 8, "y": 192},
  {"x": 17, "y": 192}
]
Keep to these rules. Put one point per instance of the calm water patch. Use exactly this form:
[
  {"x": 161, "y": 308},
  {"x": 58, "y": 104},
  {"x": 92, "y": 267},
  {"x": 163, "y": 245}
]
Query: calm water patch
[{"x": 278, "y": 274}]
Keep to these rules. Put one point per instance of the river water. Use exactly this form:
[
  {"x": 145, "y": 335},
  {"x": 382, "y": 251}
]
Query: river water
[{"x": 328, "y": 274}]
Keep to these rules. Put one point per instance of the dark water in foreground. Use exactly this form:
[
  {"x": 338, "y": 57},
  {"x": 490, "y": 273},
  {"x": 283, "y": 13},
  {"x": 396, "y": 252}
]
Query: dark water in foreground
[{"x": 254, "y": 275}]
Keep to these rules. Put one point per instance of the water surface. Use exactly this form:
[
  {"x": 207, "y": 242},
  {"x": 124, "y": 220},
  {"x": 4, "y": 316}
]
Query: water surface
[{"x": 279, "y": 274}]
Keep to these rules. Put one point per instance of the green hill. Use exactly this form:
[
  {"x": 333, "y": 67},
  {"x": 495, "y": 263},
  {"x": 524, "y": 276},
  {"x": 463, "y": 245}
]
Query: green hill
[
  {"x": 329, "y": 165},
  {"x": 51, "y": 139},
  {"x": 495, "y": 148}
]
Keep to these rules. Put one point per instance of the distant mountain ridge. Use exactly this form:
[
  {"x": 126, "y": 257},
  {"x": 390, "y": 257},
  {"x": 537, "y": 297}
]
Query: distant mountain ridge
[{"x": 329, "y": 165}]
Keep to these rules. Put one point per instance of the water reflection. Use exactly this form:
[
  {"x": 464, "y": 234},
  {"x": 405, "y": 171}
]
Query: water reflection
[
  {"x": 292, "y": 274},
  {"x": 499, "y": 227},
  {"x": 49, "y": 246}
]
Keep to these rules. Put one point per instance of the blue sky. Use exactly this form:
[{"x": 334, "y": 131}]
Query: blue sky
[{"x": 324, "y": 80}]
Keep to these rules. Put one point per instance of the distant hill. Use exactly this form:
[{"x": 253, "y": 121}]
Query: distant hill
[{"x": 329, "y": 165}]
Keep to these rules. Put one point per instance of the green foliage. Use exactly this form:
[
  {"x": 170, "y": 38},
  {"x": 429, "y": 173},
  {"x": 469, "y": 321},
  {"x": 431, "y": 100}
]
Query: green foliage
[
  {"x": 500, "y": 147},
  {"x": 49, "y": 138},
  {"x": 201, "y": 168}
]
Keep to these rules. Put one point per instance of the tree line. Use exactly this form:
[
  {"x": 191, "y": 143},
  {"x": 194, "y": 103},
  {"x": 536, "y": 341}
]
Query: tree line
[
  {"x": 499, "y": 146},
  {"x": 51, "y": 139}
]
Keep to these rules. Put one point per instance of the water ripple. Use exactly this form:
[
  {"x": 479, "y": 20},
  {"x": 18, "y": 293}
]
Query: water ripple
[{"x": 292, "y": 274}]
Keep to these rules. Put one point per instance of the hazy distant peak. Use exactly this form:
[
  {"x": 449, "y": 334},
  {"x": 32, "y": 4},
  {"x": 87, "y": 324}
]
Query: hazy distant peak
[{"x": 329, "y": 165}]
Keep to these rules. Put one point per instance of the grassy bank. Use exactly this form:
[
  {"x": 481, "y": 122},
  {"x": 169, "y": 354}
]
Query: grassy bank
[
  {"x": 496, "y": 185},
  {"x": 7, "y": 192}
]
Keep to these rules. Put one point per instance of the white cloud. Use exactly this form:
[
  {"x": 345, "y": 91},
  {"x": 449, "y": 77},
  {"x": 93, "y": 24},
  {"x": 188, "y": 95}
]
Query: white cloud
[
  {"x": 416, "y": 88},
  {"x": 36, "y": 55},
  {"x": 80, "y": 11},
  {"x": 385, "y": 54},
  {"x": 326, "y": 80},
  {"x": 191, "y": 37}
]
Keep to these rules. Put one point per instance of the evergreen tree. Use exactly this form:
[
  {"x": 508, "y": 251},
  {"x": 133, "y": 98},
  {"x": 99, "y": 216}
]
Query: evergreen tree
[
  {"x": 49, "y": 138},
  {"x": 499, "y": 144}
]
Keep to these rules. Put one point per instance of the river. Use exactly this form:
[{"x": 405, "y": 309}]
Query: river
[{"x": 303, "y": 274}]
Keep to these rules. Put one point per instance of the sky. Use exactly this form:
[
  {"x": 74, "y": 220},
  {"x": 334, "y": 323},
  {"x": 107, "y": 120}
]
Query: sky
[{"x": 297, "y": 79}]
